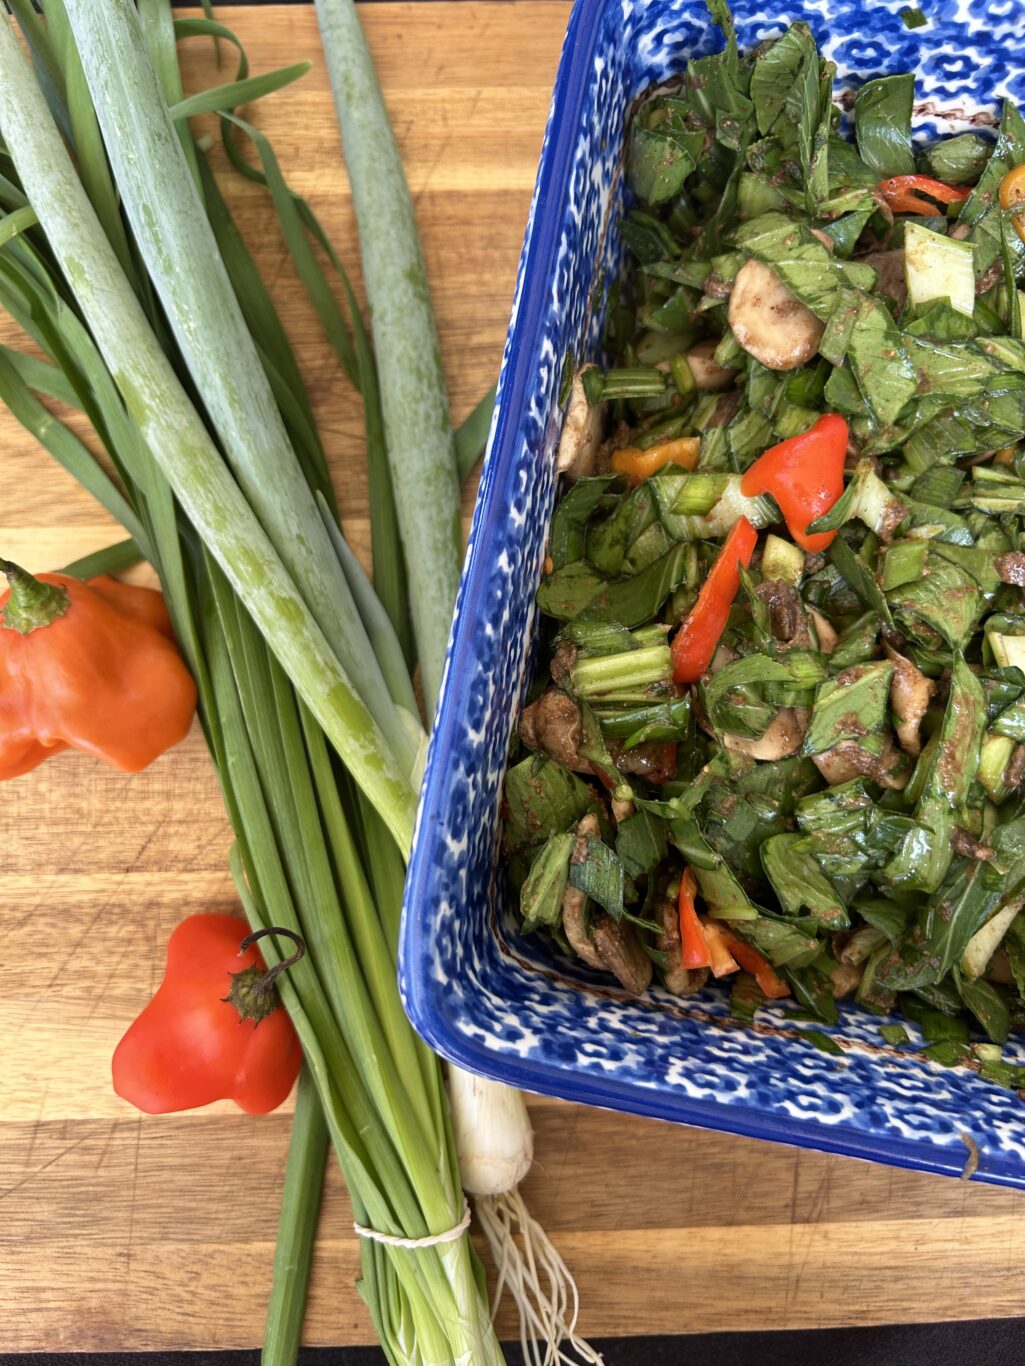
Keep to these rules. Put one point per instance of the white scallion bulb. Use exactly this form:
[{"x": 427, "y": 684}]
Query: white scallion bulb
[{"x": 494, "y": 1140}]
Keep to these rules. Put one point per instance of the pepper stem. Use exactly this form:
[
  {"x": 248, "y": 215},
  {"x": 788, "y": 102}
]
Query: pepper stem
[
  {"x": 252, "y": 990},
  {"x": 32, "y": 603}
]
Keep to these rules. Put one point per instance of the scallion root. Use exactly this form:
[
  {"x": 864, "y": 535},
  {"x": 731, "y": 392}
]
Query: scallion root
[{"x": 539, "y": 1281}]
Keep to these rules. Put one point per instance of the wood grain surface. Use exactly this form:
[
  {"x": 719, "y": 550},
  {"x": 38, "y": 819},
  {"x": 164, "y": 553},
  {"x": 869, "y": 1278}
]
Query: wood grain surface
[{"x": 124, "y": 1232}]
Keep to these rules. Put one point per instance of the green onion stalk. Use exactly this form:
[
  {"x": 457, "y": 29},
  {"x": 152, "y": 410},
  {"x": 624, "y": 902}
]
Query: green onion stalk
[
  {"x": 492, "y": 1127},
  {"x": 315, "y": 758}
]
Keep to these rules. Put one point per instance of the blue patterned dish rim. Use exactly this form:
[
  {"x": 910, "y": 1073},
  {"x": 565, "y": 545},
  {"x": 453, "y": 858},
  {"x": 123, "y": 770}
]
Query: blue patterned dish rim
[{"x": 509, "y": 1006}]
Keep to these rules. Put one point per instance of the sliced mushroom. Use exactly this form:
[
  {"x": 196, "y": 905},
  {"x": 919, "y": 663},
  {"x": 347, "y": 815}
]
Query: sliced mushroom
[
  {"x": 725, "y": 409},
  {"x": 621, "y": 952},
  {"x": 622, "y": 810},
  {"x": 781, "y": 738},
  {"x": 890, "y": 275},
  {"x": 845, "y": 978},
  {"x": 910, "y": 692},
  {"x": 989, "y": 277},
  {"x": 824, "y": 238},
  {"x": 553, "y": 723},
  {"x": 577, "y": 930},
  {"x": 654, "y": 760},
  {"x": 604, "y": 944},
  {"x": 826, "y": 633},
  {"x": 563, "y": 659},
  {"x": 707, "y": 374},
  {"x": 716, "y": 287},
  {"x": 1011, "y": 568},
  {"x": 963, "y": 842},
  {"x": 787, "y": 621},
  {"x": 723, "y": 656},
  {"x": 574, "y": 901},
  {"x": 848, "y": 760},
  {"x": 581, "y": 433},
  {"x": 769, "y": 322},
  {"x": 679, "y": 980},
  {"x": 1014, "y": 773},
  {"x": 998, "y": 969}
]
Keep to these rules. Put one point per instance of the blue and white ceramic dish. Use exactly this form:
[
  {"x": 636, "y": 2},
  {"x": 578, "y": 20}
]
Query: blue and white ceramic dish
[{"x": 505, "y": 1005}]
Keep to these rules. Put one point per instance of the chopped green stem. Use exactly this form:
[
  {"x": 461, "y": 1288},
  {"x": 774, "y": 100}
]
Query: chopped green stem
[
  {"x": 635, "y": 383},
  {"x": 598, "y": 675},
  {"x": 668, "y": 429}
]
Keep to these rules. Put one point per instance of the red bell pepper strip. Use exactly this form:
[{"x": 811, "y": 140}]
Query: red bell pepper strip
[
  {"x": 695, "y": 641},
  {"x": 769, "y": 981},
  {"x": 693, "y": 945},
  {"x": 805, "y": 476},
  {"x": 903, "y": 194}
]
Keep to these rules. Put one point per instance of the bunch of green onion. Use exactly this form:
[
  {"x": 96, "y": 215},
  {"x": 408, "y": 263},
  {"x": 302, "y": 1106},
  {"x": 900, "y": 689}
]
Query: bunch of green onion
[{"x": 120, "y": 260}]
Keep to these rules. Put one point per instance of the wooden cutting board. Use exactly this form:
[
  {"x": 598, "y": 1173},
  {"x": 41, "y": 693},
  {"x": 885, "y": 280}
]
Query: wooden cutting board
[{"x": 119, "y": 1231}]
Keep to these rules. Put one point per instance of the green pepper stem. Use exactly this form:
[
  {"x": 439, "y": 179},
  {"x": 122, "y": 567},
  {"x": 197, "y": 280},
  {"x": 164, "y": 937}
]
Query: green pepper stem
[
  {"x": 266, "y": 982},
  {"x": 252, "y": 990},
  {"x": 32, "y": 603}
]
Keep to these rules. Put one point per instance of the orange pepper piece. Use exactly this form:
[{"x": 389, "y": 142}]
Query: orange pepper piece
[
  {"x": 88, "y": 665},
  {"x": 1012, "y": 193},
  {"x": 638, "y": 465},
  {"x": 769, "y": 981},
  {"x": 723, "y": 962},
  {"x": 693, "y": 945},
  {"x": 903, "y": 194}
]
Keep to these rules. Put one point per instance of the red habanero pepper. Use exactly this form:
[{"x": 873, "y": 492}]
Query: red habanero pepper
[
  {"x": 903, "y": 194},
  {"x": 216, "y": 1028},
  {"x": 769, "y": 981},
  {"x": 92, "y": 665},
  {"x": 805, "y": 476},
  {"x": 693, "y": 945},
  {"x": 695, "y": 641}
]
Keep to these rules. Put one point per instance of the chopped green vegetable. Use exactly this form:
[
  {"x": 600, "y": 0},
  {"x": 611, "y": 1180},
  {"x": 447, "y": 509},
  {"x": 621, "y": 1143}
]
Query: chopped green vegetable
[
  {"x": 913, "y": 17},
  {"x": 542, "y": 800},
  {"x": 939, "y": 267},
  {"x": 600, "y": 875},
  {"x": 641, "y": 843},
  {"x": 882, "y": 120},
  {"x": 541, "y": 894},
  {"x": 799, "y": 882},
  {"x": 842, "y": 766},
  {"x": 849, "y": 706}
]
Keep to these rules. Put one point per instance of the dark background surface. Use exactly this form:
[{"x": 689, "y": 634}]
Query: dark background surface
[
  {"x": 942, "y": 1344},
  {"x": 992, "y": 1342}
]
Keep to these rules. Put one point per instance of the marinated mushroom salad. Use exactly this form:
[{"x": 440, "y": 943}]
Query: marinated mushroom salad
[{"x": 779, "y": 736}]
